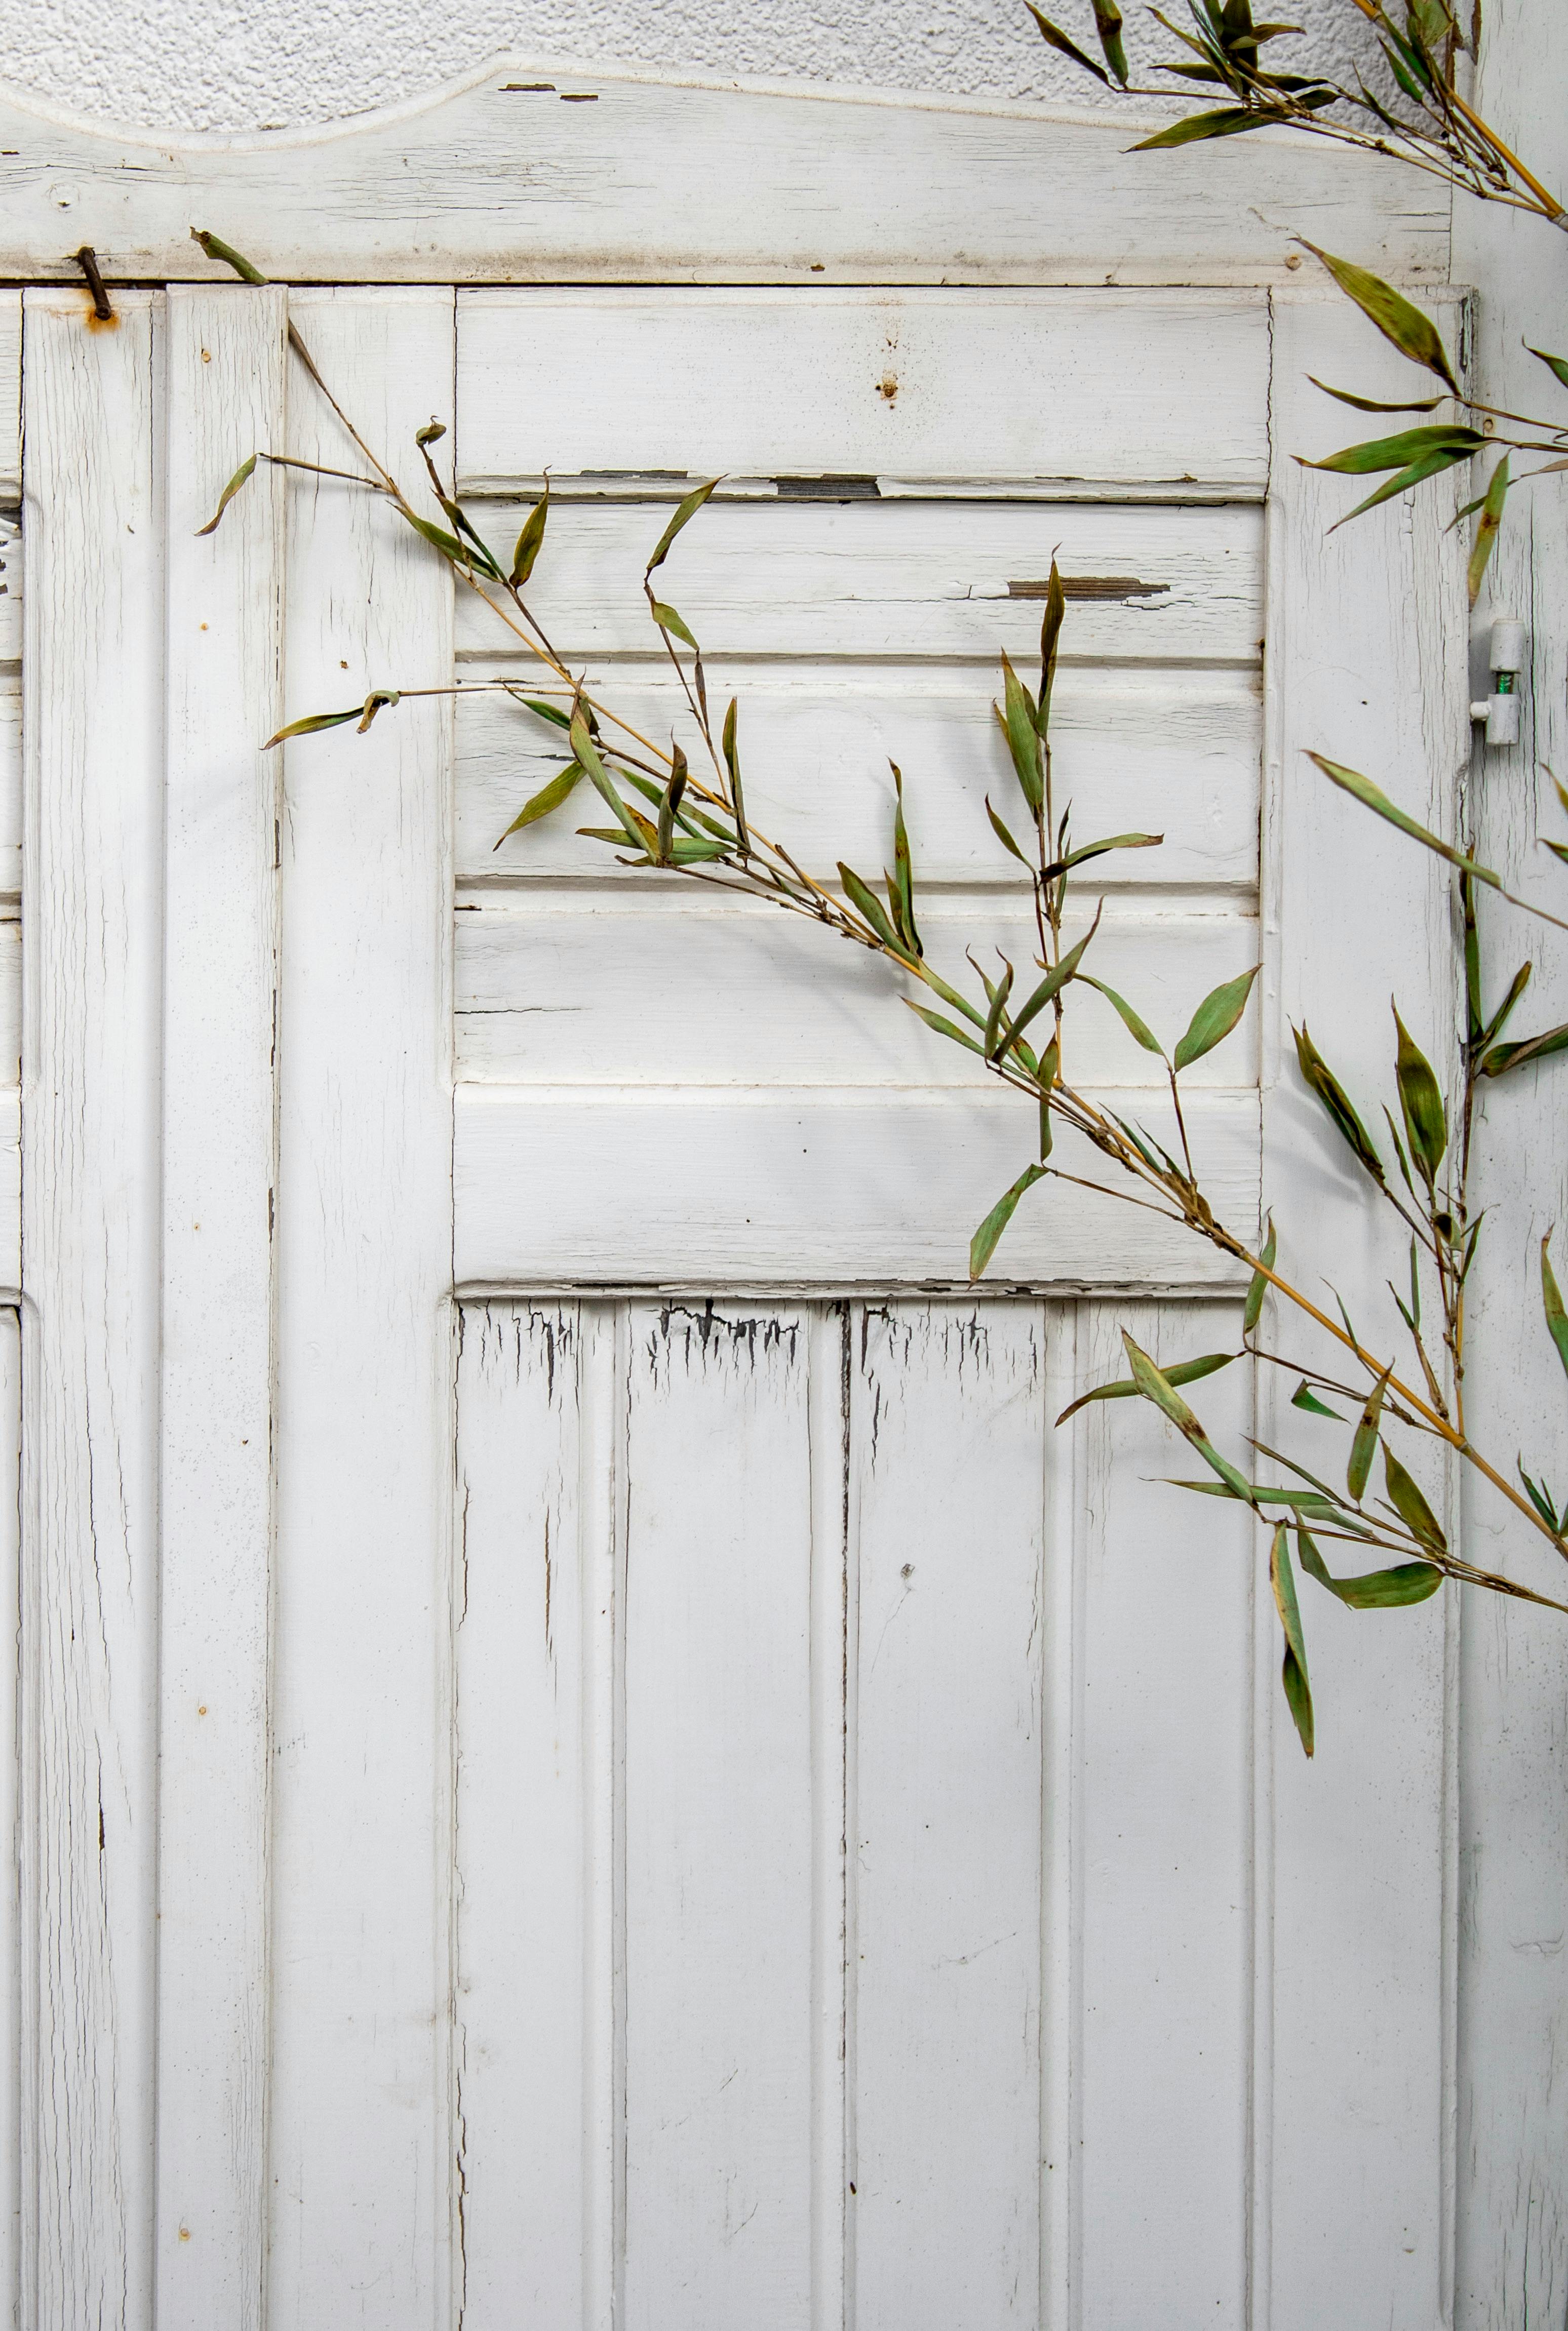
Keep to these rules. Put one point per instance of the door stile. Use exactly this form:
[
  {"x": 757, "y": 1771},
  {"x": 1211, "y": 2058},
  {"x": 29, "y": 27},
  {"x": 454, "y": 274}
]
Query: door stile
[
  {"x": 91, "y": 978},
  {"x": 225, "y": 376},
  {"x": 1367, "y": 662},
  {"x": 361, "y": 2124}
]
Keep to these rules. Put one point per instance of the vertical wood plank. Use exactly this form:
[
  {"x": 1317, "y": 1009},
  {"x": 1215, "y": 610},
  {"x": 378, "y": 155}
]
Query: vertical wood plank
[
  {"x": 534, "y": 1400},
  {"x": 718, "y": 1805},
  {"x": 91, "y": 1219},
  {"x": 10, "y": 1834},
  {"x": 360, "y": 2111},
  {"x": 1162, "y": 1922},
  {"x": 1367, "y": 662},
  {"x": 225, "y": 374},
  {"x": 948, "y": 1487}
]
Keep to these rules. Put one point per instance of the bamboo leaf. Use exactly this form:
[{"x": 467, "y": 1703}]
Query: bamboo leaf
[
  {"x": 1180, "y": 1373},
  {"x": 1409, "y": 1505},
  {"x": 245, "y": 471},
  {"x": 1216, "y": 1017},
  {"x": 867, "y": 903},
  {"x": 999, "y": 996},
  {"x": 1022, "y": 738},
  {"x": 1304, "y": 1398},
  {"x": 1155, "y": 1387},
  {"x": 1413, "y": 333},
  {"x": 1363, "y": 1448},
  {"x": 1055, "y": 980},
  {"x": 685, "y": 512},
  {"x": 1421, "y": 1104},
  {"x": 1056, "y": 39},
  {"x": 1137, "y": 1028},
  {"x": 1372, "y": 797},
  {"x": 380, "y": 700},
  {"x": 1371, "y": 404},
  {"x": 982, "y": 1245},
  {"x": 437, "y": 535},
  {"x": 1503, "y": 1057},
  {"x": 1259, "y": 1286},
  {"x": 1107, "y": 24},
  {"x": 1552, "y": 1301},
  {"x": 548, "y": 797},
  {"x": 530, "y": 542},
  {"x": 1556, "y": 366},
  {"x": 1411, "y": 445},
  {"x": 943, "y": 1027},
  {"x": 226, "y": 255},
  {"x": 901, "y": 882},
  {"x": 669, "y": 802},
  {"x": 635, "y": 827},
  {"x": 313, "y": 723},
  {"x": 1099, "y": 849},
  {"x": 1228, "y": 121},
  {"x": 1430, "y": 466},
  {"x": 1505, "y": 1011},
  {"x": 1389, "y": 1590},
  {"x": 1490, "y": 527},
  {"x": 1050, "y": 640},
  {"x": 732, "y": 763},
  {"x": 1293, "y": 1673},
  {"x": 1003, "y": 836},
  {"x": 669, "y": 621},
  {"x": 1321, "y": 1080}
]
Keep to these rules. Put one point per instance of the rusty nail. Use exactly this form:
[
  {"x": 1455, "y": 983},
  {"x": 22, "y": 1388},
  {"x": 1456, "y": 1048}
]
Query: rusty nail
[{"x": 87, "y": 260}]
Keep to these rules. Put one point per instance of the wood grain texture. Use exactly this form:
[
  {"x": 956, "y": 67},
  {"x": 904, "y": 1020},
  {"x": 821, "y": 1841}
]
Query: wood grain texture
[
  {"x": 1093, "y": 386},
  {"x": 92, "y": 976},
  {"x": 360, "y": 2110},
  {"x": 860, "y": 1187},
  {"x": 1513, "y": 2008},
  {"x": 896, "y": 579},
  {"x": 11, "y": 2032},
  {"x": 673, "y": 179},
  {"x": 1367, "y": 663},
  {"x": 225, "y": 367},
  {"x": 1170, "y": 751}
]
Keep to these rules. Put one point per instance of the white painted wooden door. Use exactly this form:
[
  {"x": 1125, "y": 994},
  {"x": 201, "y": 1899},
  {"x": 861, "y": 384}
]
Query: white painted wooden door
[{"x": 590, "y": 1756}]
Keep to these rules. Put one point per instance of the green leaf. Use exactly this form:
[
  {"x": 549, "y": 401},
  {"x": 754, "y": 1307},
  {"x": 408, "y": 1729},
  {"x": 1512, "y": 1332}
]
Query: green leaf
[
  {"x": 1321, "y": 1080},
  {"x": 1022, "y": 738},
  {"x": 901, "y": 881},
  {"x": 685, "y": 512},
  {"x": 226, "y": 255},
  {"x": 1056, "y": 979},
  {"x": 1099, "y": 849},
  {"x": 1389, "y": 1590},
  {"x": 312, "y": 724},
  {"x": 550, "y": 712},
  {"x": 1413, "y": 333},
  {"x": 1503, "y": 1057},
  {"x": 1421, "y": 1102},
  {"x": 1136, "y": 1027},
  {"x": 447, "y": 544},
  {"x": 669, "y": 621},
  {"x": 669, "y": 802},
  {"x": 982, "y": 1245},
  {"x": 1303, "y": 1397},
  {"x": 1180, "y": 1373},
  {"x": 1107, "y": 24},
  {"x": 1372, "y": 797},
  {"x": 1490, "y": 527},
  {"x": 1155, "y": 1387},
  {"x": 1371, "y": 404},
  {"x": 244, "y": 470},
  {"x": 867, "y": 903},
  {"x": 1228, "y": 121},
  {"x": 999, "y": 996},
  {"x": 1411, "y": 445},
  {"x": 530, "y": 542},
  {"x": 1003, "y": 836},
  {"x": 1216, "y": 1017},
  {"x": 732, "y": 763},
  {"x": 943, "y": 1027},
  {"x": 637, "y": 830},
  {"x": 548, "y": 797},
  {"x": 1293, "y": 1674},
  {"x": 1409, "y": 1505},
  {"x": 430, "y": 434},
  {"x": 1363, "y": 1448},
  {"x": 1558, "y": 366},
  {"x": 1259, "y": 1287},
  {"x": 1430, "y": 466},
  {"x": 1056, "y": 39},
  {"x": 1050, "y": 640},
  {"x": 1505, "y": 1011},
  {"x": 1551, "y": 1300}
]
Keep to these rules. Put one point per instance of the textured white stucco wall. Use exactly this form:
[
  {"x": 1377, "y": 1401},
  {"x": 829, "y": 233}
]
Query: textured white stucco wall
[{"x": 251, "y": 65}]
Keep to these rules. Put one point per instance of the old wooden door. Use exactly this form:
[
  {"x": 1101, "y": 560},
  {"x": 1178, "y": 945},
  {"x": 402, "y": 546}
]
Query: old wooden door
[{"x": 590, "y": 1757}]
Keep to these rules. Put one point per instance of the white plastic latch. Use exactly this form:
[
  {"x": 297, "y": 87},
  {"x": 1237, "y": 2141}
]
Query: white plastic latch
[{"x": 1500, "y": 711}]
